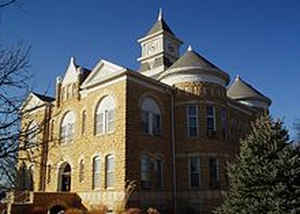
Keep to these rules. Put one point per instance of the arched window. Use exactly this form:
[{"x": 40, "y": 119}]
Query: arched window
[
  {"x": 81, "y": 171},
  {"x": 151, "y": 117},
  {"x": 83, "y": 122},
  {"x": 110, "y": 171},
  {"x": 32, "y": 133},
  {"x": 105, "y": 114},
  {"x": 30, "y": 178},
  {"x": 96, "y": 172},
  {"x": 67, "y": 128}
]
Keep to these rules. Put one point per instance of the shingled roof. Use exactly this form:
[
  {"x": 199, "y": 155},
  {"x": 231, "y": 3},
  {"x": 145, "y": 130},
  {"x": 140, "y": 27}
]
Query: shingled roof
[
  {"x": 192, "y": 58},
  {"x": 160, "y": 25},
  {"x": 241, "y": 90}
]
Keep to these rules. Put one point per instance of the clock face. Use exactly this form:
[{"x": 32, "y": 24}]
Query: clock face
[{"x": 151, "y": 48}]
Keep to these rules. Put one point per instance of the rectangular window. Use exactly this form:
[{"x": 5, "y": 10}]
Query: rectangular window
[
  {"x": 110, "y": 120},
  {"x": 99, "y": 123},
  {"x": 96, "y": 173},
  {"x": 156, "y": 124},
  {"x": 146, "y": 168},
  {"x": 192, "y": 120},
  {"x": 211, "y": 121},
  {"x": 224, "y": 123},
  {"x": 159, "y": 173},
  {"x": 214, "y": 172},
  {"x": 195, "y": 170},
  {"x": 110, "y": 168}
]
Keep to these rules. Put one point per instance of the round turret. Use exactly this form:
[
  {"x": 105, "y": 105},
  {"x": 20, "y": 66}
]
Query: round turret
[{"x": 244, "y": 93}]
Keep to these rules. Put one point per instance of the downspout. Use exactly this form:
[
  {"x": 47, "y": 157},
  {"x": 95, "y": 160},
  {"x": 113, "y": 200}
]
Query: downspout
[{"x": 173, "y": 94}]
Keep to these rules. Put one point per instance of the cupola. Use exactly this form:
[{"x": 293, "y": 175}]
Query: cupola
[{"x": 160, "y": 48}]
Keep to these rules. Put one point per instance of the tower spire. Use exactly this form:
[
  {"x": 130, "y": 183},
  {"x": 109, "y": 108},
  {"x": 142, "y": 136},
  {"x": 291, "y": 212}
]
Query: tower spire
[{"x": 160, "y": 14}]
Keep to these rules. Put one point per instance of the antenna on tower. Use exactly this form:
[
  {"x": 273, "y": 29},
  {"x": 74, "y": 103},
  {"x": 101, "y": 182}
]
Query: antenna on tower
[{"x": 160, "y": 14}]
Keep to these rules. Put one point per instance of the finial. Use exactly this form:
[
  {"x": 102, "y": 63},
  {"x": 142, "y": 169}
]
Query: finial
[
  {"x": 160, "y": 15},
  {"x": 189, "y": 48},
  {"x": 237, "y": 77},
  {"x": 58, "y": 79},
  {"x": 72, "y": 60}
]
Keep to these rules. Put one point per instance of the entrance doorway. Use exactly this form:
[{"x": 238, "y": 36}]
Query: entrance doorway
[{"x": 64, "y": 184}]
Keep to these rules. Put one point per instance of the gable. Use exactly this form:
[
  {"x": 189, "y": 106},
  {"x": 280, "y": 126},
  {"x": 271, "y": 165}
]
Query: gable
[
  {"x": 31, "y": 103},
  {"x": 71, "y": 75},
  {"x": 102, "y": 71}
]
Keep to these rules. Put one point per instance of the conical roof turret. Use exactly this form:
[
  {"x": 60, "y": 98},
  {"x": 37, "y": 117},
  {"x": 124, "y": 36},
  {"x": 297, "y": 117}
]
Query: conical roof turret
[
  {"x": 243, "y": 92},
  {"x": 192, "y": 63}
]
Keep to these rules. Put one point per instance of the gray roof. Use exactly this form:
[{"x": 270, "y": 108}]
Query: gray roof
[
  {"x": 192, "y": 58},
  {"x": 159, "y": 25},
  {"x": 241, "y": 90}
]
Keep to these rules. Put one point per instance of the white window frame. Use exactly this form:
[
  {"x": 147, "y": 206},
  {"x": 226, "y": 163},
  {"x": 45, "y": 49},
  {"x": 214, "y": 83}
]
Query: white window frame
[
  {"x": 107, "y": 171},
  {"x": 104, "y": 108},
  {"x": 211, "y": 116},
  {"x": 188, "y": 117},
  {"x": 147, "y": 171},
  {"x": 198, "y": 171},
  {"x": 151, "y": 110},
  {"x": 96, "y": 185},
  {"x": 81, "y": 171},
  {"x": 67, "y": 128}
]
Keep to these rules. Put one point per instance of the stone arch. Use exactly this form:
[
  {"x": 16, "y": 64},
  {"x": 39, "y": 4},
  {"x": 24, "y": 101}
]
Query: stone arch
[{"x": 64, "y": 177}]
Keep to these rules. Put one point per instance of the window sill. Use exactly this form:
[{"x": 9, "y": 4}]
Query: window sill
[
  {"x": 110, "y": 188},
  {"x": 105, "y": 134}
]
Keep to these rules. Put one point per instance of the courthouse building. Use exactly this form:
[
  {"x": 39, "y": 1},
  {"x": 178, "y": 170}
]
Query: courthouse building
[{"x": 171, "y": 126}]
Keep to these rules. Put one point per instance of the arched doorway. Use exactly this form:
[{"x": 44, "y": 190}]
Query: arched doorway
[
  {"x": 58, "y": 209},
  {"x": 64, "y": 184}
]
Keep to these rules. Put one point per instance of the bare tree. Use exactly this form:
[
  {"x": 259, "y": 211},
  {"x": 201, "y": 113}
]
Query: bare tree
[
  {"x": 6, "y": 3},
  {"x": 14, "y": 87}
]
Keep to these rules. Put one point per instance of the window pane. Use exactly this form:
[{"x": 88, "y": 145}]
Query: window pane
[
  {"x": 210, "y": 123},
  {"x": 193, "y": 122},
  {"x": 192, "y": 110},
  {"x": 145, "y": 119},
  {"x": 195, "y": 180},
  {"x": 195, "y": 171},
  {"x": 192, "y": 131},
  {"x": 99, "y": 123},
  {"x": 210, "y": 111}
]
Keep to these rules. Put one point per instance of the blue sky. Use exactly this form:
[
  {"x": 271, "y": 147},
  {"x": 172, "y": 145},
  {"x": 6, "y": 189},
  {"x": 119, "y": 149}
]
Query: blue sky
[{"x": 257, "y": 39}]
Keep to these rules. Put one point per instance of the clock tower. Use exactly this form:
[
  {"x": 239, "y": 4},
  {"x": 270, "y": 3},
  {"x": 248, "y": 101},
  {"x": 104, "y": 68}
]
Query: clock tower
[{"x": 160, "y": 48}]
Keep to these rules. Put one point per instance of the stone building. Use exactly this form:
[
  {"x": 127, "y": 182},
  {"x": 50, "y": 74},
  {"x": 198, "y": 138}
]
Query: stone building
[{"x": 171, "y": 126}]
